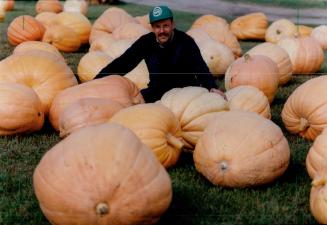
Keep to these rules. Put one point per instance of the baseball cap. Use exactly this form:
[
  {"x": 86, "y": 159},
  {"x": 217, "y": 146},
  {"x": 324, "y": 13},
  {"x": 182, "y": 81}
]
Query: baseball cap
[{"x": 160, "y": 13}]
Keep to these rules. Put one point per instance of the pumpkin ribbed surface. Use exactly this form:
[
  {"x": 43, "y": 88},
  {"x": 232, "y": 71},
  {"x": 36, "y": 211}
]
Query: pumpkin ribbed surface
[
  {"x": 101, "y": 175},
  {"x": 304, "y": 111},
  {"x": 24, "y": 28},
  {"x": 241, "y": 149},
  {"x": 248, "y": 98},
  {"x": 194, "y": 107},
  {"x": 48, "y": 6},
  {"x": 156, "y": 126},
  {"x": 318, "y": 199},
  {"x": 317, "y": 156}
]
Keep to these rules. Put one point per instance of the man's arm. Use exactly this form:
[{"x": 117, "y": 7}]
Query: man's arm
[{"x": 124, "y": 63}]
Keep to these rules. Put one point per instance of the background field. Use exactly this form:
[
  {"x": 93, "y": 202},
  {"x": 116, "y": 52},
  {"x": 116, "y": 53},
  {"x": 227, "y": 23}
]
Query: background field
[{"x": 195, "y": 200}]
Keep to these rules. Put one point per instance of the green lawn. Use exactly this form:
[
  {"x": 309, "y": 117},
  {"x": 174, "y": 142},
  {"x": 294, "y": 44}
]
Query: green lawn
[
  {"x": 195, "y": 200},
  {"x": 288, "y": 3}
]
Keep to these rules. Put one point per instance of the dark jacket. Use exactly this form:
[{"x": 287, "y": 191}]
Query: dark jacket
[{"x": 178, "y": 64}]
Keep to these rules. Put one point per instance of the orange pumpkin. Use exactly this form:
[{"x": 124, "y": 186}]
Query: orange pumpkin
[
  {"x": 40, "y": 70},
  {"x": 256, "y": 70},
  {"x": 63, "y": 38},
  {"x": 157, "y": 127},
  {"x": 317, "y": 156},
  {"x": 318, "y": 196},
  {"x": 194, "y": 107},
  {"x": 304, "y": 112},
  {"x": 28, "y": 46},
  {"x": 305, "y": 53},
  {"x": 24, "y": 28},
  {"x": 248, "y": 98},
  {"x": 319, "y": 34},
  {"x": 78, "y": 22},
  {"x": 85, "y": 112},
  {"x": 279, "y": 56},
  {"x": 250, "y": 26},
  {"x": 112, "y": 87},
  {"x": 241, "y": 149},
  {"x": 109, "y": 20},
  {"x": 48, "y": 6},
  {"x": 108, "y": 181},
  {"x": 22, "y": 110}
]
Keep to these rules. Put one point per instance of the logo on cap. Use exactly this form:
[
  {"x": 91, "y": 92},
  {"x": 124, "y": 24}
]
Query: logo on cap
[{"x": 157, "y": 11}]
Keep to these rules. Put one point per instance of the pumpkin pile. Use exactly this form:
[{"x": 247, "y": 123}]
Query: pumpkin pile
[{"x": 110, "y": 133}]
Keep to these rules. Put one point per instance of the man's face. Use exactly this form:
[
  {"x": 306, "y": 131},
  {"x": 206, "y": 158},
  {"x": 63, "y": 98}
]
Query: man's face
[{"x": 163, "y": 30}]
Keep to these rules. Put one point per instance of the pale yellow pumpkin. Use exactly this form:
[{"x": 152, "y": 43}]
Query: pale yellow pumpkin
[
  {"x": 102, "y": 42},
  {"x": 319, "y": 33},
  {"x": 78, "y": 22},
  {"x": 24, "y": 28},
  {"x": 39, "y": 70},
  {"x": 199, "y": 35},
  {"x": 76, "y": 6},
  {"x": 93, "y": 177},
  {"x": 112, "y": 87},
  {"x": 209, "y": 19},
  {"x": 248, "y": 98},
  {"x": 279, "y": 29},
  {"x": 28, "y": 46},
  {"x": 223, "y": 34},
  {"x": 317, "y": 156},
  {"x": 217, "y": 56},
  {"x": 250, "y": 26},
  {"x": 318, "y": 197},
  {"x": 129, "y": 30},
  {"x": 305, "y": 53},
  {"x": 63, "y": 38},
  {"x": 256, "y": 70},
  {"x": 91, "y": 63},
  {"x": 304, "y": 112},
  {"x": 304, "y": 30},
  {"x": 194, "y": 107},
  {"x": 279, "y": 56},
  {"x": 109, "y": 20},
  {"x": 157, "y": 127},
  {"x": 45, "y": 18},
  {"x": 86, "y": 112},
  {"x": 144, "y": 21},
  {"x": 22, "y": 110},
  {"x": 48, "y": 6},
  {"x": 241, "y": 149}
]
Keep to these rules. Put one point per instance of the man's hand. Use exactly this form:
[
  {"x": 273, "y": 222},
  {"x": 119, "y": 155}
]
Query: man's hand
[{"x": 219, "y": 92}]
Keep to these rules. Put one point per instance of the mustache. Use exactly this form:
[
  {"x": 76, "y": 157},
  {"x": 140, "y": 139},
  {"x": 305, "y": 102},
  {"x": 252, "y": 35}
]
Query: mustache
[{"x": 163, "y": 35}]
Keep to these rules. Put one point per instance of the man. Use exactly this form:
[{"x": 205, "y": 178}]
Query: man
[{"x": 172, "y": 57}]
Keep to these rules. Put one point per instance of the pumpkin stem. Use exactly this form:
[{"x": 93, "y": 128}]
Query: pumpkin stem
[
  {"x": 102, "y": 209},
  {"x": 304, "y": 124},
  {"x": 174, "y": 141},
  {"x": 321, "y": 181},
  {"x": 278, "y": 31},
  {"x": 223, "y": 166},
  {"x": 247, "y": 57}
]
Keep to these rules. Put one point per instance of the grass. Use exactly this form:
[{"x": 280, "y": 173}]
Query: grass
[
  {"x": 289, "y": 3},
  {"x": 195, "y": 200}
]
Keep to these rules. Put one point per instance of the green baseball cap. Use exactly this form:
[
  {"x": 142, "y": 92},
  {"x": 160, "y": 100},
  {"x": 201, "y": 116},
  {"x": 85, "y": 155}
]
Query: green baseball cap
[{"x": 160, "y": 13}]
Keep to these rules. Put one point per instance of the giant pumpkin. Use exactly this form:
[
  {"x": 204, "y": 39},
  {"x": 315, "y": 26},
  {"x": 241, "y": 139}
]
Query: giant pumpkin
[{"x": 93, "y": 177}]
